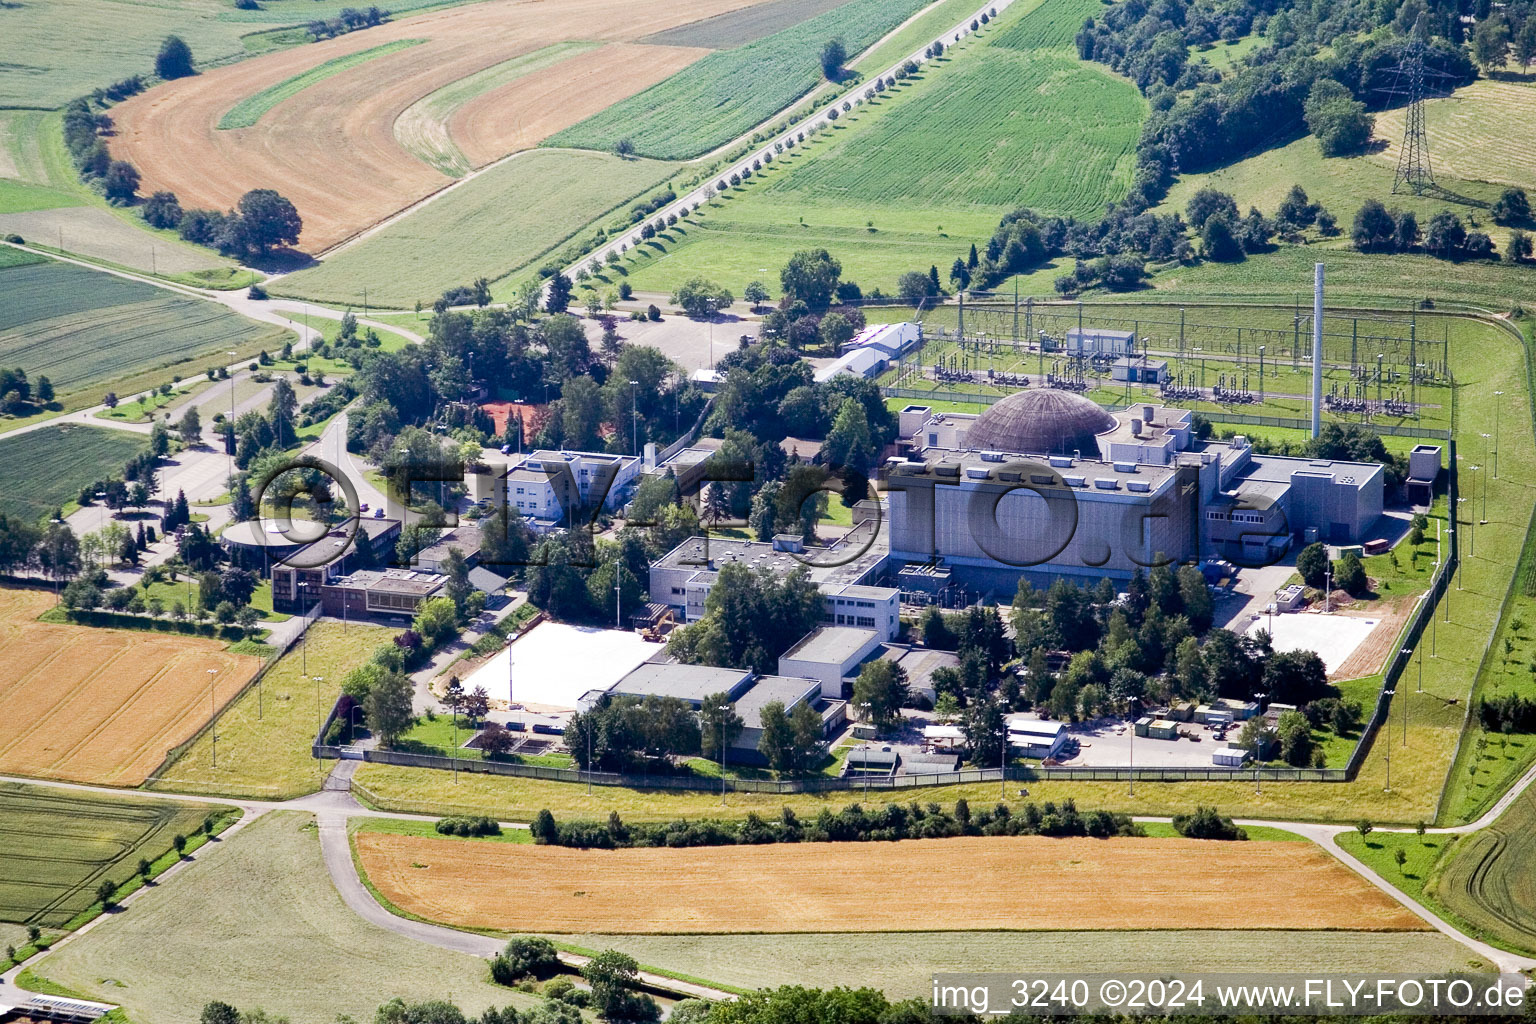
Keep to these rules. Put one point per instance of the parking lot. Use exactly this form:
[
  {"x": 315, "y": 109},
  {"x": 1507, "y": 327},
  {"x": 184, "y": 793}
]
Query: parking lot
[{"x": 1109, "y": 744}]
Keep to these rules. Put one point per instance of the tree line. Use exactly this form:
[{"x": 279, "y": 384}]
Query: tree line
[{"x": 853, "y": 824}]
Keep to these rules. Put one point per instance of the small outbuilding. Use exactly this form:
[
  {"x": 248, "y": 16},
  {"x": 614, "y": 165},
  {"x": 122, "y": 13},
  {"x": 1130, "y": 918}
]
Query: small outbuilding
[{"x": 1230, "y": 757}]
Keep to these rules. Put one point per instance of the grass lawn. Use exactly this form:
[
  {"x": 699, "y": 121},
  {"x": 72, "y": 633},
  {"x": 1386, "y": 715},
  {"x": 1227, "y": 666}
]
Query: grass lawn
[
  {"x": 267, "y": 881},
  {"x": 264, "y": 737},
  {"x": 45, "y": 469},
  {"x": 1256, "y": 833},
  {"x": 402, "y": 827},
  {"x": 60, "y": 845},
  {"x": 146, "y": 406}
]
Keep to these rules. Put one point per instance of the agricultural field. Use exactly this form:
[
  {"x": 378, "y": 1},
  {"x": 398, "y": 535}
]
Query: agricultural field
[
  {"x": 64, "y": 48},
  {"x": 265, "y": 736},
  {"x": 964, "y": 135},
  {"x": 60, "y": 845},
  {"x": 83, "y": 328},
  {"x": 284, "y": 940},
  {"x": 106, "y": 236},
  {"x": 783, "y": 889},
  {"x": 423, "y": 127},
  {"x": 902, "y": 965},
  {"x": 747, "y": 25},
  {"x": 728, "y": 92},
  {"x": 491, "y": 226},
  {"x": 340, "y": 127},
  {"x": 101, "y": 706},
  {"x": 1488, "y": 882},
  {"x": 250, "y": 110},
  {"x": 33, "y": 480}
]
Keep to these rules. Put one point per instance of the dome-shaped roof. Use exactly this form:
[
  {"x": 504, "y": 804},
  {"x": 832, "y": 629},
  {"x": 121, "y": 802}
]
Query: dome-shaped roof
[{"x": 1047, "y": 421}]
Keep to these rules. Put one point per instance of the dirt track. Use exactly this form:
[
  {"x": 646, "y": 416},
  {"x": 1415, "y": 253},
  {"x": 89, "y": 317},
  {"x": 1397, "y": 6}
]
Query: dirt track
[
  {"x": 331, "y": 147},
  {"x": 929, "y": 885}
]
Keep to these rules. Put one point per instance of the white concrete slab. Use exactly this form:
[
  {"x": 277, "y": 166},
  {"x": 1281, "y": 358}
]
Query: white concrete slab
[
  {"x": 555, "y": 663},
  {"x": 1334, "y": 637}
]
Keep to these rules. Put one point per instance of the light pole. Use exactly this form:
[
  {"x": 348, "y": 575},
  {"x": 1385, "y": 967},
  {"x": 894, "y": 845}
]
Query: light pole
[
  {"x": 1261, "y": 374},
  {"x": 722, "y": 712},
  {"x": 1496, "y": 396},
  {"x": 1133, "y": 757},
  {"x": 1471, "y": 535},
  {"x": 213, "y": 720},
  {"x": 587, "y": 728},
  {"x": 317, "y": 680},
  {"x": 867, "y": 709},
  {"x": 1258, "y": 748},
  {"x": 634, "y": 419},
  {"x": 304, "y": 636},
  {"x": 1484, "y": 520},
  {"x": 1388, "y": 749}
]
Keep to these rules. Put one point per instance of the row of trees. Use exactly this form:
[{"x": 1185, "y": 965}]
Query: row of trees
[
  {"x": 852, "y": 824},
  {"x": 1377, "y": 229},
  {"x": 263, "y": 220}
]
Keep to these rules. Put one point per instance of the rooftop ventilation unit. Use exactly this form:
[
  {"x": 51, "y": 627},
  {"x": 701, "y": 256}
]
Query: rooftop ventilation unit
[
  {"x": 977, "y": 472},
  {"x": 1139, "y": 486},
  {"x": 1106, "y": 483},
  {"x": 947, "y": 469},
  {"x": 1125, "y": 467},
  {"x": 1061, "y": 461},
  {"x": 991, "y": 456},
  {"x": 1074, "y": 480}
]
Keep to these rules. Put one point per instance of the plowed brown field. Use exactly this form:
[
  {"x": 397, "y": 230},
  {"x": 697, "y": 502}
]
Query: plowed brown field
[
  {"x": 331, "y": 148},
  {"x": 1019, "y": 883},
  {"x": 100, "y": 705}
]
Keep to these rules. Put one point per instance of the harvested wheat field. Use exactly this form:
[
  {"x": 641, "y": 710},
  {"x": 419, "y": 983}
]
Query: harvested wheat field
[
  {"x": 100, "y": 705},
  {"x": 331, "y": 146},
  {"x": 1017, "y": 883}
]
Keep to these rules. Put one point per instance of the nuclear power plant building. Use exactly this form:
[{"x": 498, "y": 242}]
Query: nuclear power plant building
[{"x": 1048, "y": 480}]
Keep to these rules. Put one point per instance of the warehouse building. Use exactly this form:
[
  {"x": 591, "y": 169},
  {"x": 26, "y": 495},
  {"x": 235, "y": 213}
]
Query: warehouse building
[
  {"x": 684, "y": 576},
  {"x": 830, "y": 655},
  {"x": 1035, "y": 738},
  {"x": 791, "y": 692}
]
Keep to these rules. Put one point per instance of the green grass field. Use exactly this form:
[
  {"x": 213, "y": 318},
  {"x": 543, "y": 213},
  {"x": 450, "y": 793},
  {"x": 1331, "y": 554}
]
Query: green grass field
[
  {"x": 44, "y": 469},
  {"x": 1481, "y": 132},
  {"x": 726, "y": 93},
  {"x": 60, "y": 845},
  {"x": 20, "y": 197},
  {"x": 83, "y": 329},
  {"x": 1488, "y": 882},
  {"x": 902, "y": 965},
  {"x": 964, "y": 126},
  {"x": 491, "y": 226},
  {"x": 264, "y": 737},
  {"x": 249, "y": 111},
  {"x": 287, "y": 943},
  {"x": 422, "y": 127},
  {"x": 1341, "y": 184}
]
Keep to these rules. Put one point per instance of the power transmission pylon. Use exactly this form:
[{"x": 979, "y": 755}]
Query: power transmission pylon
[{"x": 1414, "y": 171}]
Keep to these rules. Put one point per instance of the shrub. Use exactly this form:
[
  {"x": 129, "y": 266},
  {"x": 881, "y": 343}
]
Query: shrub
[
  {"x": 525, "y": 957},
  {"x": 1206, "y": 823},
  {"x": 468, "y": 826}
]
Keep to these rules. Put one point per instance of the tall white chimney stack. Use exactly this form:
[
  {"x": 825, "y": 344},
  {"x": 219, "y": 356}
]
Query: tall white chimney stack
[{"x": 1317, "y": 351}]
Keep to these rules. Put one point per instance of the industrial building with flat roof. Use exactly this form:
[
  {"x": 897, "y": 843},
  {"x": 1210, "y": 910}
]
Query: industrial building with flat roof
[
  {"x": 690, "y": 683},
  {"x": 684, "y": 576},
  {"x": 1048, "y": 479}
]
